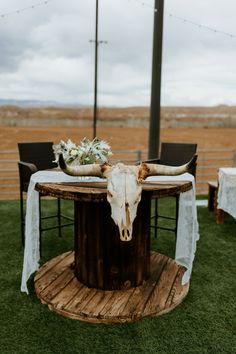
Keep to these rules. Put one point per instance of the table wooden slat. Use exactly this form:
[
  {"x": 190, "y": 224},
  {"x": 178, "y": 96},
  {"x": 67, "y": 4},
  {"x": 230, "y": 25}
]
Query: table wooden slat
[{"x": 97, "y": 191}]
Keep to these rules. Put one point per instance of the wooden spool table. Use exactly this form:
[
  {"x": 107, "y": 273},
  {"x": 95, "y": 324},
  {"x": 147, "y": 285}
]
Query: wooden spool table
[{"x": 106, "y": 280}]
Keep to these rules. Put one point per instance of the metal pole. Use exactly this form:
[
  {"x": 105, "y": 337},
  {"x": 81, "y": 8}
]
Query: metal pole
[
  {"x": 95, "y": 75},
  {"x": 155, "y": 110}
]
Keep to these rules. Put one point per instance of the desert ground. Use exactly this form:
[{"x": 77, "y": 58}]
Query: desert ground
[
  {"x": 124, "y": 138},
  {"x": 120, "y": 139},
  {"x": 123, "y": 128},
  {"x": 171, "y": 117}
]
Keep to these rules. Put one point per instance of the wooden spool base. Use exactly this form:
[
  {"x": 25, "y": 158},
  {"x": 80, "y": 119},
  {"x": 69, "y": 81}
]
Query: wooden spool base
[{"x": 57, "y": 286}]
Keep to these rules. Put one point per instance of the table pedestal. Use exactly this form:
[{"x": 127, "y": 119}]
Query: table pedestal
[{"x": 102, "y": 260}]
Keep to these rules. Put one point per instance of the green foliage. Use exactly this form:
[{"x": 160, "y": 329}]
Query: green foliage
[{"x": 203, "y": 323}]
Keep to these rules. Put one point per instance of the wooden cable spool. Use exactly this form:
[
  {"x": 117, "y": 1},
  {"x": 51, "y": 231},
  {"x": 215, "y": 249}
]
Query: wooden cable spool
[{"x": 101, "y": 260}]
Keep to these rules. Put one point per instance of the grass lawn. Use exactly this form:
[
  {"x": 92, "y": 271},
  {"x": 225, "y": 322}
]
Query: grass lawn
[{"x": 204, "y": 323}]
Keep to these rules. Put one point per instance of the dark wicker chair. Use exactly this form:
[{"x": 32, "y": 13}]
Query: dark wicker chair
[
  {"x": 37, "y": 156},
  {"x": 172, "y": 154}
]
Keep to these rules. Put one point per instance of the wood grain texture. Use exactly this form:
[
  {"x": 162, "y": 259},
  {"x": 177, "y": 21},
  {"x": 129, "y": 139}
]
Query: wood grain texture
[
  {"x": 102, "y": 260},
  {"x": 97, "y": 191},
  {"x": 57, "y": 286}
]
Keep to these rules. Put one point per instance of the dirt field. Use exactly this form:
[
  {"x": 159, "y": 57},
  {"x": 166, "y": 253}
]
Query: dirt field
[
  {"x": 122, "y": 139},
  {"x": 171, "y": 117},
  {"x": 119, "y": 138},
  {"x": 180, "y": 124}
]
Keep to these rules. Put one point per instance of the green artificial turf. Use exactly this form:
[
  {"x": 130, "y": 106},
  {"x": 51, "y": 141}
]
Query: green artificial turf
[{"x": 203, "y": 323}]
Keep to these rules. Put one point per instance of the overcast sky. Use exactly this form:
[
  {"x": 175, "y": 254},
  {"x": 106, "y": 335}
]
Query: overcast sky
[{"x": 45, "y": 53}]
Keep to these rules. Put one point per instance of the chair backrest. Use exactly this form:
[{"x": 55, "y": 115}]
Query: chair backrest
[
  {"x": 38, "y": 153},
  {"x": 175, "y": 154}
]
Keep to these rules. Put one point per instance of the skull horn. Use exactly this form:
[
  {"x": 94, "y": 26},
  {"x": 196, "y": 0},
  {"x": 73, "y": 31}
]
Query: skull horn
[
  {"x": 156, "y": 169},
  {"x": 81, "y": 170}
]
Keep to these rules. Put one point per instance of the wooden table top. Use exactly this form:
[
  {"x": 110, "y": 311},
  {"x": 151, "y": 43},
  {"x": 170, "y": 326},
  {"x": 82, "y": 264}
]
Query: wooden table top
[{"x": 97, "y": 191}]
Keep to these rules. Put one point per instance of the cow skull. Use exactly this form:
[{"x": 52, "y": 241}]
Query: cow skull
[
  {"x": 123, "y": 193},
  {"x": 124, "y": 186}
]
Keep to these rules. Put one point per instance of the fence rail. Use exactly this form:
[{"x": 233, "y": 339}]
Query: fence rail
[{"x": 209, "y": 161}]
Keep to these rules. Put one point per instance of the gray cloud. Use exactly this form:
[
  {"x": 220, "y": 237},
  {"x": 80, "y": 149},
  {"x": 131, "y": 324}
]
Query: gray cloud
[{"x": 46, "y": 54}]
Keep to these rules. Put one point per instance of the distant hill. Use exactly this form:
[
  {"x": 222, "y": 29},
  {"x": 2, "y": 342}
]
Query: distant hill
[
  {"x": 171, "y": 117},
  {"x": 34, "y": 103}
]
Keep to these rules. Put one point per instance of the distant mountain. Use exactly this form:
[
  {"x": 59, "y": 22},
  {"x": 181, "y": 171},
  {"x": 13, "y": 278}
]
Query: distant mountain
[{"x": 35, "y": 103}]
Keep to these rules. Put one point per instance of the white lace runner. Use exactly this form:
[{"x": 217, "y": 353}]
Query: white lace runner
[
  {"x": 187, "y": 230},
  {"x": 31, "y": 252},
  {"x": 227, "y": 190},
  {"x": 187, "y": 233}
]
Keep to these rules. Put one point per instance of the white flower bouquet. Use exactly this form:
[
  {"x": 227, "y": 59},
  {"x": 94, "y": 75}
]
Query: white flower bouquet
[{"x": 87, "y": 152}]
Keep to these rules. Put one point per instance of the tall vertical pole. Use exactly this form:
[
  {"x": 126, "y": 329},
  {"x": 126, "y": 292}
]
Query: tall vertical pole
[
  {"x": 95, "y": 75},
  {"x": 155, "y": 110}
]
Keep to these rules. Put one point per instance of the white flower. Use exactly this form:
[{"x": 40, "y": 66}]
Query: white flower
[
  {"x": 86, "y": 153},
  {"x": 74, "y": 152}
]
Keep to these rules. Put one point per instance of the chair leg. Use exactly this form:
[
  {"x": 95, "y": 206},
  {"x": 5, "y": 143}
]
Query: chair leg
[
  {"x": 219, "y": 213},
  {"x": 22, "y": 219},
  {"x": 220, "y": 216},
  {"x": 212, "y": 190},
  {"x": 59, "y": 216},
  {"x": 156, "y": 217}
]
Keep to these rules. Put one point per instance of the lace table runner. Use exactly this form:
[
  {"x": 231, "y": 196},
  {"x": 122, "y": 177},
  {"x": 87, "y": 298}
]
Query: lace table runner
[
  {"x": 187, "y": 229},
  {"x": 227, "y": 190},
  {"x": 187, "y": 232}
]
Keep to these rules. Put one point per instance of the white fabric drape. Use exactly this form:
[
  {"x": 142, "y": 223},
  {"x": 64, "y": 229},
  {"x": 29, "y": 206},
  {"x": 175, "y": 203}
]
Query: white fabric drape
[
  {"x": 31, "y": 252},
  {"x": 227, "y": 190},
  {"x": 187, "y": 233},
  {"x": 187, "y": 229}
]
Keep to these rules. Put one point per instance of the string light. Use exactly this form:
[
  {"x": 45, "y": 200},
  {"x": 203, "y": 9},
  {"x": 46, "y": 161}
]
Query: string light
[
  {"x": 185, "y": 20},
  {"x": 202, "y": 26},
  {"x": 143, "y": 3},
  {"x": 31, "y": 7}
]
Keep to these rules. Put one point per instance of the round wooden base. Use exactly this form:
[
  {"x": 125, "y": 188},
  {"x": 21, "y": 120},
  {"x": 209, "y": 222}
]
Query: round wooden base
[{"x": 57, "y": 286}]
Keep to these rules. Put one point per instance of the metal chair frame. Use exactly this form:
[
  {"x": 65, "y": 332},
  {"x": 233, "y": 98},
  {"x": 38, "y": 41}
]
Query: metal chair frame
[
  {"x": 37, "y": 156},
  {"x": 172, "y": 154}
]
